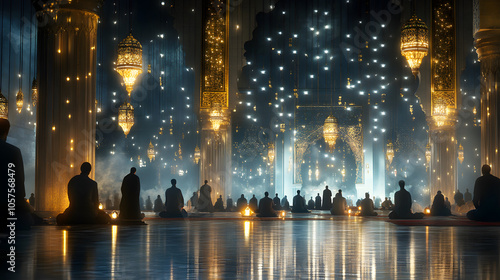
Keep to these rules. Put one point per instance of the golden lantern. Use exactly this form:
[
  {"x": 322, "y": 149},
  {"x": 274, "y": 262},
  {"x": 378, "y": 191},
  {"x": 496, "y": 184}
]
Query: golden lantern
[
  {"x": 428, "y": 153},
  {"x": 197, "y": 154},
  {"x": 4, "y": 107},
  {"x": 331, "y": 131},
  {"x": 129, "y": 61},
  {"x": 390, "y": 152},
  {"x": 34, "y": 92},
  {"x": 247, "y": 212},
  {"x": 19, "y": 100},
  {"x": 151, "y": 152},
  {"x": 270, "y": 153},
  {"x": 126, "y": 117},
  {"x": 414, "y": 42},
  {"x": 440, "y": 113},
  {"x": 216, "y": 116},
  {"x": 461, "y": 153}
]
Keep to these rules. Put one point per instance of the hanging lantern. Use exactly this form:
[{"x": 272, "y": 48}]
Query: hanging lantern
[
  {"x": 197, "y": 154},
  {"x": 126, "y": 117},
  {"x": 34, "y": 92},
  {"x": 390, "y": 152},
  {"x": 270, "y": 153},
  {"x": 4, "y": 107},
  {"x": 216, "y": 116},
  {"x": 19, "y": 100},
  {"x": 129, "y": 61},
  {"x": 331, "y": 131},
  {"x": 428, "y": 153},
  {"x": 151, "y": 152},
  {"x": 414, "y": 42},
  {"x": 461, "y": 153}
]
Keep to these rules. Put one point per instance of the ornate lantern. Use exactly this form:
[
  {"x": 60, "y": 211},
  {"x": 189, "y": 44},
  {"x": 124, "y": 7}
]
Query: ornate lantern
[
  {"x": 414, "y": 42},
  {"x": 428, "y": 153},
  {"x": 34, "y": 92},
  {"x": 151, "y": 152},
  {"x": 390, "y": 152},
  {"x": 19, "y": 100},
  {"x": 331, "y": 131},
  {"x": 197, "y": 154},
  {"x": 4, "y": 107},
  {"x": 216, "y": 116},
  {"x": 461, "y": 153},
  {"x": 126, "y": 117},
  {"x": 270, "y": 153},
  {"x": 129, "y": 61}
]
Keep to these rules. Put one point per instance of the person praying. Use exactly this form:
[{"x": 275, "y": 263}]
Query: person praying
[
  {"x": 459, "y": 198},
  {"x": 194, "y": 200},
  {"x": 327, "y": 199},
  {"x": 285, "y": 205},
  {"x": 317, "y": 202},
  {"x": 367, "y": 206},
  {"x": 310, "y": 204},
  {"x": 219, "y": 205},
  {"x": 241, "y": 204},
  {"x": 299, "y": 204},
  {"x": 276, "y": 203},
  {"x": 158, "y": 205},
  {"x": 339, "y": 204},
  {"x": 467, "y": 196},
  {"x": 205, "y": 199},
  {"x": 486, "y": 197},
  {"x": 266, "y": 207},
  {"x": 438, "y": 207},
  {"x": 253, "y": 204},
  {"x": 131, "y": 189},
  {"x": 174, "y": 202},
  {"x": 402, "y": 207}
]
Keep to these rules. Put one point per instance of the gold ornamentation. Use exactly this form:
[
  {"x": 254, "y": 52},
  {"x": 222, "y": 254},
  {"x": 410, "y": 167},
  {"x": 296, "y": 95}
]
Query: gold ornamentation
[
  {"x": 414, "y": 42},
  {"x": 4, "y": 107},
  {"x": 151, "y": 151},
  {"x": 197, "y": 154},
  {"x": 19, "y": 100},
  {"x": 428, "y": 153},
  {"x": 331, "y": 131},
  {"x": 34, "y": 92},
  {"x": 217, "y": 117},
  {"x": 389, "y": 152},
  {"x": 129, "y": 61},
  {"x": 270, "y": 153},
  {"x": 126, "y": 117}
]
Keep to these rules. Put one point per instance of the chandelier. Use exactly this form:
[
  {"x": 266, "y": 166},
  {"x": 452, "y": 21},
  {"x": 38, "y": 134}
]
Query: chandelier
[
  {"x": 4, "y": 107},
  {"x": 151, "y": 152},
  {"x": 390, "y": 152},
  {"x": 34, "y": 92},
  {"x": 126, "y": 117},
  {"x": 440, "y": 113},
  {"x": 19, "y": 100},
  {"x": 197, "y": 154},
  {"x": 129, "y": 61},
  {"x": 216, "y": 116},
  {"x": 461, "y": 153},
  {"x": 270, "y": 153},
  {"x": 414, "y": 42},
  {"x": 428, "y": 153},
  {"x": 331, "y": 131}
]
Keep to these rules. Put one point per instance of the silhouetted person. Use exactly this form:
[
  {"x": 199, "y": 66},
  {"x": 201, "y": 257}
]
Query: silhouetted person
[
  {"x": 205, "y": 200},
  {"x": 83, "y": 201},
  {"x": 131, "y": 190},
  {"x": 317, "y": 202},
  {"x": 276, "y": 203},
  {"x": 158, "y": 206},
  {"x": 141, "y": 203},
  {"x": 459, "y": 198},
  {"x": 339, "y": 204},
  {"x": 327, "y": 199},
  {"x": 367, "y": 206},
  {"x": 174, "y": 201},
  {"x": 438, "y": 207},
  {"x": 402, "y": 208},
  {"x": 467, "y": 196},
  {"x": 149, "y": 204},
  {"x": 12, "y": 168},
  {"x": 32, "y": 200},
  {"x": 310, "y": 204},
  {"x": 285, "y": 205},
  {"x": 253, "y": 204},
  {"x": 391, "y": 205},
  {"x": 219, "y": 205},
  {"x": 486, "y": 197},
  {"x": 241, "y": 204},
  {"x": 194, "y": 200},
  {"x": 229, "y": 204},
  {"x": 299, "y": 204},
  {"x": 266, "y": 207},
  {"x": 385, "y": 204},
  {"x": 447, "y": 203}
]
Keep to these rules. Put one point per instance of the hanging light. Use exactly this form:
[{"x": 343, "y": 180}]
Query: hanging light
[
  {"x": 390, "y": 152},
  {"x": 440, "y": 113},
  {"x": 34, "y": 92},
  {"x": 151, "y": 152},
  {"x": 461, "y": 153},
  {"x": 216, "y": 116},
  {"x": 414, "y": 42},
  {"x": 126, "y": 117},
  {"x": 197, "y": 154},
  {"x": 19, "y": 100},
  {"x": 428, "y": 153},
  {"x": 4, "y": 107},
  {"x": 331, "y": 131},
  {"x": 129, "y": 61},
  {"x": 270, "y": 153}
]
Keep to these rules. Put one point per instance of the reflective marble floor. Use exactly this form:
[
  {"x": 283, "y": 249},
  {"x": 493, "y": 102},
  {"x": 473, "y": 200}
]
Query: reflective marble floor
[{"x": 221, "y": 246}]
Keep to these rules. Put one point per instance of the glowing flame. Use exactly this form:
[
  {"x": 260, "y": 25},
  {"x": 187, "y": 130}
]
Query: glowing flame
[
  {"x": 283, "y": 214},
  {"x": 359, "y": 208},
  {"x": 427, "y": 210},
  {"x": 100, "y": 206},
  {"x": 247, "y": 212},
  {"x": 114, "y": 215}
]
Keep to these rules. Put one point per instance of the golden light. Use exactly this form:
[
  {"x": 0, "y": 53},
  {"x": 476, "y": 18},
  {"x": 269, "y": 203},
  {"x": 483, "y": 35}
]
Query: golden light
[
  {"x": 34, "y": 92},
  {"x": 114, "y": 215},
  {"x": 129, "y": 61},
  {"x": 216, "y": 116},
  {"x": 414, "y": 42},
  {"x": 349, "y": 211},
  {"x": 197, "y": 154},
  {"x": 282, "y": 214},
  {"x": 428, "y": 153},
  {"x": 4, "y": 107},
  {"x": 461, "y": 153},
  {"x": 151, "y": 152},
  {"x": 427, "y": 211},
  {"x": 247, "y": 212},
  {"x": 440, "y": 113},
  {"x": 270, "y": 153},
  {"x": 390, "y": 152},
  {"x": 359, "y": 208},
  {"x": 100, "y": 206},
  {"x": 19, "y": 100},
  {"x": 126, "y": 117},
  {"x": 331, "y": 131}
]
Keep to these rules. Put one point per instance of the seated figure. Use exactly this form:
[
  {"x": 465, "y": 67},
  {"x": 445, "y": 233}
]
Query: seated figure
[
  {"x": 158, "y": 206},
  {"x": 327, "y": 199},
  {"x": 276, "y": 203},
  {"x": 83, "y": 201},
  {"x": 219, "y": 205},
  {"x": 229, "y": 204},
  {"x": 254, "y": 204},
  {"x": 459, "y": 198},
  {"x": 241, "y": 204},
  {"x": 317, "y": 202},
  {"x": 299, "y": 204},
  {"x": 467, "y": 196},
  {"x": 486, "y": 197},
  {"x": 439, "y": 207},
  {"x": 285, "y": 205},
  {"x": 402, "y": 207},
  {"x": 310, "y": 204},
  {"x": 339, "y": 204},
  {"x": 131, "y": 190},
  {"x": 205, "y": 199},
  {"x": 367, "y": 206},
  {"x": 266, "y": 207},
  {"x": 174, "y": 202}
]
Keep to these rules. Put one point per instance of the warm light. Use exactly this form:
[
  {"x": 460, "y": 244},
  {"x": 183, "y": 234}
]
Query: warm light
[
  {"x": 216, "y": 116},
  {"x": 440, "y": 113},
  {"x": 390, "y": 152},
  {"x": 359, "y": 208},
  {"x": 247, "y": 212},
  {"x": 428, "y": 153},
  {"x": 427, "y": 211},
  {"x": 197, "y": 154},
  {"x": 19, "y": 100},
  {"x": 100, "y": 206},
  {"x": 53, "y": 128},
  {"x": 151, "y": 152},
  {"x": 270, "y": 153},
  {"x": 349, "y": 211},
  {"x": 114, "y": 215},
  {"x": 34, "y": 92},
  {"x": 129, "y": 61},
  {"x": 461, "y": 153},
  {"x": 282, "y": 214},
  {"x": 330, "y": 131},
  {"x": 4, "y": 107},
  {"x": 414, "y": 42},
  {"x": 126, "y": 117}
]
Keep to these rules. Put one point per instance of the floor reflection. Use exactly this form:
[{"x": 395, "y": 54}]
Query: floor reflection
[{"x": 344, "y": 248}]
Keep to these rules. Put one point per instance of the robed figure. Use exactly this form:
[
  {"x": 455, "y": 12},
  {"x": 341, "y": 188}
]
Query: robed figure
[
  {"x": 327, "y": 199},
  {"x": 439, "y": 207},
  {"x": 310, "y": 204},
  {"x": 219, "y": 205},
  {"x": 339, "y": 204},
  {"x": 486, "y": 197},
  {"x": 158, "y": 205},
  {"x": 131, "y": 189},
  {"x": 402, "y": 205},
  {"x": 174, "y": 202},
  {"x": 317, "y": 203},
  {"x": 241, "y": 203},
  {"x": 266, "y": 207},
  {"x": 253, "y": 204},
  {"x": 205, "y": 200},
  {"x": 299, "y": 204},
  {"x": 276, "y": 203},
  {"x": 367, "y": 206}
]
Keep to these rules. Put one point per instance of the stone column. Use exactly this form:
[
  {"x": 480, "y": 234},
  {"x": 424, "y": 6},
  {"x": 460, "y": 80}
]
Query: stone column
[
  {"x": 66, "y": 117},
  {"x": 487, "y": 39}
]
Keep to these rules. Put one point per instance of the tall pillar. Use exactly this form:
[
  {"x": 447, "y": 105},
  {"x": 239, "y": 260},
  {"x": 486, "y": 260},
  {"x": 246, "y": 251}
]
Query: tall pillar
[
  {"x": 443, "y": 99},
  {"x": 215, "y": 162},
  {"x": 487, "y": 38},
  {"x": 66, "y": 118}
]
